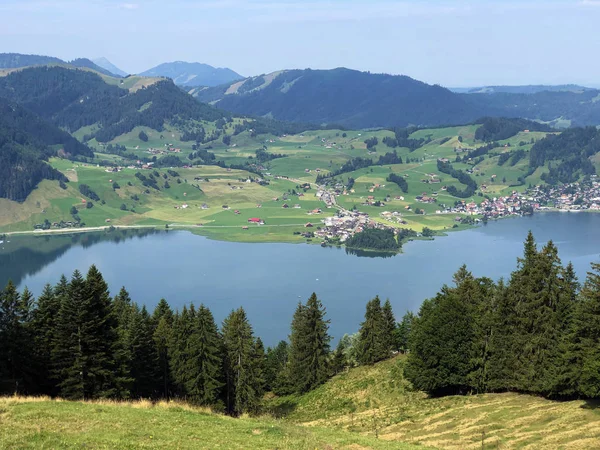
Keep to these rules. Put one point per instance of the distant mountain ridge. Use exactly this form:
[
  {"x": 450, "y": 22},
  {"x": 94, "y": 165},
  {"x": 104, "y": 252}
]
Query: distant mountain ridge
[
  {"x": 193, "y": 74},
  {"x": 17, "y": 61},
  {"x": 364, "y": 100},
  {"x": 107, "y": 65},
  {"x": 524, "y": 89}
]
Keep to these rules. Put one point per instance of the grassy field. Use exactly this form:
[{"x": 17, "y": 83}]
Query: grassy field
[
  {"x": 213, "y": 195},
  {"x": 28, "y": 423},
  {"x": 377, "y": 400}
]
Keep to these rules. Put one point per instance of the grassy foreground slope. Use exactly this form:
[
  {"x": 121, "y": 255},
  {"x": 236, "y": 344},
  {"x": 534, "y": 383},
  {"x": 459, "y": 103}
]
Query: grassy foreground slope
[
  {"x": 44, "y": 423},
  {"x": 377, "y": 399}
]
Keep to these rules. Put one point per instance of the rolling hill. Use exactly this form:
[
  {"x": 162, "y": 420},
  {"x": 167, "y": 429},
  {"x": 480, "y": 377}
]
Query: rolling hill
[
  {"x": 26, "y": 142},
  {"x": 106, "y": 64},
  {"x": 527, "y": 89},
  {"x": 363, "y": 100},
  {"x": 17, "y": 61},
  {"x": 193, "y": 74}
]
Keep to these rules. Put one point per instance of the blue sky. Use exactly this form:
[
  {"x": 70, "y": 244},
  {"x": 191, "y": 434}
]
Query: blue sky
[{"x": 452, "y": 43}]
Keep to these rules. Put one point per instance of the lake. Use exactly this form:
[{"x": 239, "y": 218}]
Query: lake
[{"x": 268, "y": 280}]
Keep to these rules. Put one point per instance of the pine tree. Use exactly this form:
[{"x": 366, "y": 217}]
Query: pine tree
[
  {"x": 402, "y": 333},
  {"x": 585, "y": 339},
  {"x": 44, "y": 327},
  {"x": 242, "y": 387},
  {"x": 121, "y": 312},
  {"x": 276, "y": 378},
  {"x": 372, "y": 343},
  {"x": 143, "y": 353},
  {"x": 178, "y": 348},
  {"x": 68, "y": 350},
  {"x": 443, "y": 339},
  {"x": 309, "y": 346},
  {"x": 162, "y": 319},
  {"x": 339, "y": 361},
  {"x": 259, "y": 366},
  {"x": 389, "y": 328},
  {"x": 16, "y": 352},
  {"x": 205, "y": 360}
]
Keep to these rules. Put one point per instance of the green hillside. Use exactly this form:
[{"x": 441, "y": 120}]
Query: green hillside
[
  {"x": 44, "y": 423},
  {"x": 377, "y": 399}
]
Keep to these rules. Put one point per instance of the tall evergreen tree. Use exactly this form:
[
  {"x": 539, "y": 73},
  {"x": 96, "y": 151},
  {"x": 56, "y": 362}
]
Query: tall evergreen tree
[
  {"x": 122, "y": 311},
  {"x": 259, "y": 366},
  {"x": 179, "y": 349},
  {"x": 205, "y": 359},
  {"x": 162, "y": 319},
  {"x": 44, "y": 327},
  {"x": 143, "y": 366},
  {"x": 584, "y": 349},
  {"x": 309, "y": 346},
  {"x": 389, "y": 327},
  {"x": 403, "y": 332},
  {"x": 242, "y": 386},
  {"x": 16, "y": 351},
  {"x": 276, "y": 379},
  {"x": 372, "y": 340}
]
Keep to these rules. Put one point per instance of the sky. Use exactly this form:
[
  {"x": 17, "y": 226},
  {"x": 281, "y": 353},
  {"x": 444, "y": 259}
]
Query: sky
[{"x": 453, "y": 43}]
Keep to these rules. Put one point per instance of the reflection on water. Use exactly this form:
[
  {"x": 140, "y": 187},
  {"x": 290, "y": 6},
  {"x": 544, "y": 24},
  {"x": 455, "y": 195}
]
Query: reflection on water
[
  {"x": 21, "y": 256},
  {"x": 369, "y": 253}
]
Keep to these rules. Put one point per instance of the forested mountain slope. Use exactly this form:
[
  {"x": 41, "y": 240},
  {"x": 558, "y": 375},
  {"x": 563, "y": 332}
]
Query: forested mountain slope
[
  {"x": 362, "y": 99},
  {"x": 26, "y": 141},
  {"x": 73, "y": 99}
]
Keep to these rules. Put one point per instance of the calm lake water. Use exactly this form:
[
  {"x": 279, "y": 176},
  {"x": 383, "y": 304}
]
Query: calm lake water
[{"x": 268, "y": 280}]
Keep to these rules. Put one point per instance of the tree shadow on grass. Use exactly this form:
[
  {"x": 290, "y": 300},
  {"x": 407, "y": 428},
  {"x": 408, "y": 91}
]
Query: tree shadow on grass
[
  {"x": 593, "y": 404},
  {"x": 283, "y": 409}
]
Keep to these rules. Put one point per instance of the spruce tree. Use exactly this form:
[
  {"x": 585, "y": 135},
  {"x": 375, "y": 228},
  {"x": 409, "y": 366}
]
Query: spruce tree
[
  {"x": 44, "y": 327},
  {"x": 205, "y": 360},
  {"x": 16, "y": 352},
  {"x": 143, "y": 364},
  {"x": 402, "y": 332},
  {"x": 372, "y": 343},
  {"x": 242, "y": 386},
  {"x": 121, "y": 311},
  {"x": 585, "y": 339},
  {"x": 389, "y": 328},
  {"x": 339, "y": 361},
  {"x": 162, "y": 319},
  {"x": 259, "y": 366},
  {"x": 68, "y": 357},
  {"x": 276, "y": 379},
  {"x": 309, "y": 346},
  {"x": 179, "y": 352}
]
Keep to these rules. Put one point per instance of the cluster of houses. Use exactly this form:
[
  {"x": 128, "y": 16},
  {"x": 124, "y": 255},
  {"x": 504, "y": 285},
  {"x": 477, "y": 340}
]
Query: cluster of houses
[
  {"x": 344, "y": 225},
  {"x": 568, "y": 197}
]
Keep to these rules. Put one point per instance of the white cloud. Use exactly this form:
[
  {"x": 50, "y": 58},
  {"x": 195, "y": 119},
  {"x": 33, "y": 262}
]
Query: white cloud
[{"x": 129, "y": 6}]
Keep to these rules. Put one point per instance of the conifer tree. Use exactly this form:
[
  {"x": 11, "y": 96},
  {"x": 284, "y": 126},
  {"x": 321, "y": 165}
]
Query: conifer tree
[
  {"x": 403, "y": 330},
  {"x": 309, "y": 346},
  {"x": 205, "y": 359},
  {"x": 44, "y": 326},
  {"x": 339, "y": 361},
  {"x": 389, "y": 328},
  {"x": 259, "y": 366},
  {"x": 585, "y": 339},
  {"x": 16, "y": 352},
  {"x": 121, "y": 311},
  {"x": 276, "y": 379},
  {"x": 372, "y": 345},
  {"x": 242, "y": 387},
  {"x": 162, "y": 319},
  {"x": 179, "y": 352},
  {"x": 143, "y": 353}
]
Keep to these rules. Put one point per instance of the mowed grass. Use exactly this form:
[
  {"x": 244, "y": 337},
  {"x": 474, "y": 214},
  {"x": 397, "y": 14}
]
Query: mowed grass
[
  {"x": 30, "y": 423},
  {"x": 378, "y": 400}
]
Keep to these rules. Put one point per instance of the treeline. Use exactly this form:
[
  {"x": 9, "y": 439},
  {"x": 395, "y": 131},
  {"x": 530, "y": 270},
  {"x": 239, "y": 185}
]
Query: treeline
[
  {"x": 567, "y": 154},
  {"x": 536, "y": 333},
  {"x": 374, "y": 239},
  {"x": 401, "y": 139},
  {"x": 500, "y": 128},
  {"x": 361, "y": 163},
  {"x": 399, "y": 180},
  {"x": 462, "y": 177},
  {"x": 76, "y": 342}
]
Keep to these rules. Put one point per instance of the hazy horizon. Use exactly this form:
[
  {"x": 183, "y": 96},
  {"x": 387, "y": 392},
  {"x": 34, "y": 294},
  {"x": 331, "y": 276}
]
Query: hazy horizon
[{"x": 452, "y": 43}]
